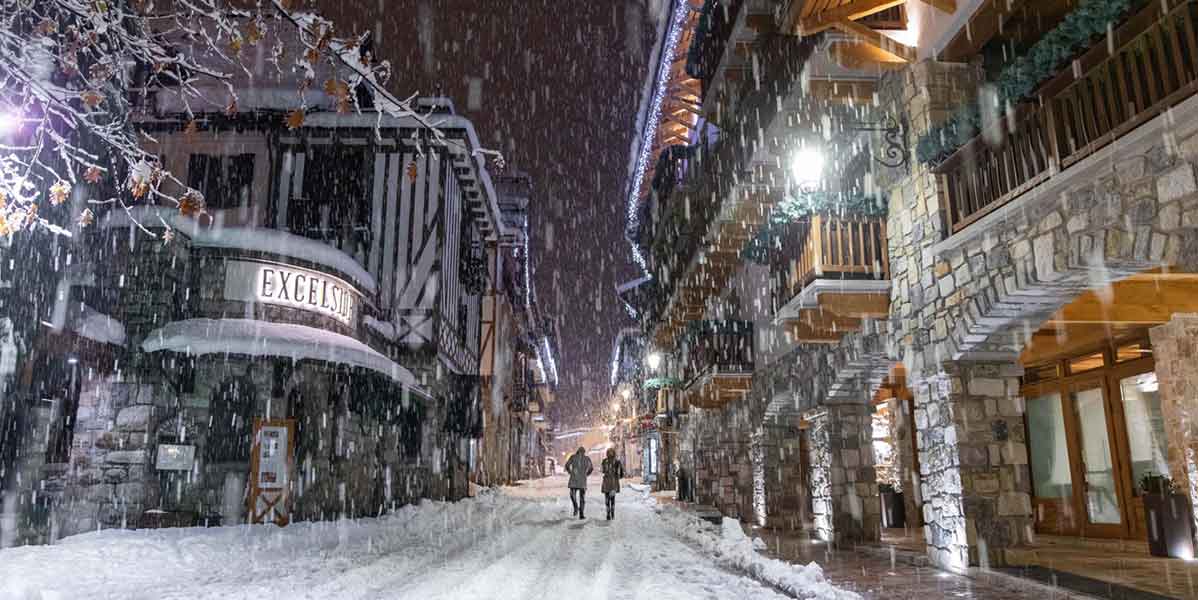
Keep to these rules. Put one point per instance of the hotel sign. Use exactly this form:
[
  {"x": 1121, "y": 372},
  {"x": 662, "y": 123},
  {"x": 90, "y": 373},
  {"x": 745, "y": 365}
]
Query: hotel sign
[{"x": 285, "y": 285}]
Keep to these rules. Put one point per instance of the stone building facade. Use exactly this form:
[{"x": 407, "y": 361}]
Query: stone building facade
[{"x": 1022, "y": 275}]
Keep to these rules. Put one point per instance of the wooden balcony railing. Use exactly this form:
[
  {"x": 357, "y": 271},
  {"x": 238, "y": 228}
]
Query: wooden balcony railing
[
  {"x": 728, "y": 351},
  {"x": 1153, "y": 67},
  {"x": 835, "y": 248}
]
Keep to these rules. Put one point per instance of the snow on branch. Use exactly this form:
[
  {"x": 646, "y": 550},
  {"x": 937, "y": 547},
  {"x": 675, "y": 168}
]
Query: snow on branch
[{"x": 75, "y": 75}]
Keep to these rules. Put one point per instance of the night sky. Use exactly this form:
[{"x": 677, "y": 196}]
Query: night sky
[{"x": 556, "y": 86}]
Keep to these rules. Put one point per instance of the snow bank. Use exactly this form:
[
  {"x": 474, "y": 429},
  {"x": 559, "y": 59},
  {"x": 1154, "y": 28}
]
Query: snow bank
[
  {"x": 260, "y": 338},
  {"x": 732, "y": 548},
  {"x": 175, "y": 563}
]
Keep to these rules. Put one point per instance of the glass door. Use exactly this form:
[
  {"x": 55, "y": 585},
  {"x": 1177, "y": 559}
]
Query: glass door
[{"x": 1098, "y": 469}]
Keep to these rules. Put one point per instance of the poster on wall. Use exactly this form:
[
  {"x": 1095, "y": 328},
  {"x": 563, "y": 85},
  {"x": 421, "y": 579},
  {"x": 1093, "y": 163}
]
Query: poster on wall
[{"x": 270, "y": 470}]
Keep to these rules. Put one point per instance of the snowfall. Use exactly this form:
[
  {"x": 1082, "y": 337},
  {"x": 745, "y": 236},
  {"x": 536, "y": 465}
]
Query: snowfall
[{"x": 517, "y": 542}]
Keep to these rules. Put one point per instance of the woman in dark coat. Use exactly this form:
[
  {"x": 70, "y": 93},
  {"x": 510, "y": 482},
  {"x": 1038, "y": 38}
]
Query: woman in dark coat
[{"x": 613, "y": 471}]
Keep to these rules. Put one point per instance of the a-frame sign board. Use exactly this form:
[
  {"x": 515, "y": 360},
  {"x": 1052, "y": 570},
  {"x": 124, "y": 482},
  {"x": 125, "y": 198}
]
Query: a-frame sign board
[{"x": 271, "y": 464}]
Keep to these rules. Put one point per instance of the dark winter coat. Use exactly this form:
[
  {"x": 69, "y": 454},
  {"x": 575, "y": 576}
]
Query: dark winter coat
[
  {"x": 613, "y": 472},
  {"x": 579, "y": 466}
]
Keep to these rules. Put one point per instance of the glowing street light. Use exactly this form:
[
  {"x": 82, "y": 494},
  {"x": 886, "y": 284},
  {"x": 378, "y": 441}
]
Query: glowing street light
[
  {"x": 9, "y": 122},
  {"x": 626, "y": 393},
  {"x": 654, "y": 360},
  {"x": 807, "y": 166}
]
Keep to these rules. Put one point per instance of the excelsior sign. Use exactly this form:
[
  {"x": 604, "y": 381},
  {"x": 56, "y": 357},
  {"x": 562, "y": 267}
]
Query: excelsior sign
[{"x": 291, "y": 286}]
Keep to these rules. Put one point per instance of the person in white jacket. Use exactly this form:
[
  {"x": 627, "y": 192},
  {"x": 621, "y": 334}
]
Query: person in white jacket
[{"x": 579, "y": 467}]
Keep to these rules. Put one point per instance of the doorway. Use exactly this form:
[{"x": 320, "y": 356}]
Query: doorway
[{"x": 1094, "y": 429}]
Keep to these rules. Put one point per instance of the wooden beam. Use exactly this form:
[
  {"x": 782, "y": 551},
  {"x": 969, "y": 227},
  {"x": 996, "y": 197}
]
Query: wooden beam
[
  {"x": 947, "y": 7},
  {"x": 1050, "y": 344},
  {"x": 889, "y": 50},
  {"x": 857, "y": 9},
  {"x": 847, "y": 304},
  {"x": 982, "y": 26},
  {"x": 853, "y": 92},
  {"x": 801, "y": 333},
  {"x": 1131, "y": 302}
]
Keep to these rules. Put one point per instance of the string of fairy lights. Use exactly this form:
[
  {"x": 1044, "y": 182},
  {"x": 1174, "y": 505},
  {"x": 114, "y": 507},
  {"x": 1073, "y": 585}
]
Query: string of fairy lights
[{"x": 673, "y": 35}]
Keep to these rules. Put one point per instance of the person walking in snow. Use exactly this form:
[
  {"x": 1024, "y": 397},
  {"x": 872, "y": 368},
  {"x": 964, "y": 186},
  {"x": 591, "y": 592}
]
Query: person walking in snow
[
  {"x": 613, "y": 472},
  {"x": 579, "y": 467}
]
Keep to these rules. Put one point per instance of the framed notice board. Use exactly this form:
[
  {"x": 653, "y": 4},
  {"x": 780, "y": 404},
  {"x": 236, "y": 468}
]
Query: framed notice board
[{"x": 271, "y": 465}]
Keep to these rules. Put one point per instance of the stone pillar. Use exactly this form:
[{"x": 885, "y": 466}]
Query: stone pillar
[
  {"x": 976, "y": 485},
  {"x": 723, "y": 465},
  {"x": 843, "y": 485},
  {"x": 781, "y": 477},
  {"x": 1175, "y": 349}
]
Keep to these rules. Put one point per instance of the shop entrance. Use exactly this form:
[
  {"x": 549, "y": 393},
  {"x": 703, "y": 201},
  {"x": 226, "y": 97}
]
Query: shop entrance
[
  {"x": 1094, "y": 430},
  {"x": 1093, "y": 415}
]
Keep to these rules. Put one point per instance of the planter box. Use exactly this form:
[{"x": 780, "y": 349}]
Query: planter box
[
  {"x": 894, "y": 511},
  {"x": 1170, "y": 524}
]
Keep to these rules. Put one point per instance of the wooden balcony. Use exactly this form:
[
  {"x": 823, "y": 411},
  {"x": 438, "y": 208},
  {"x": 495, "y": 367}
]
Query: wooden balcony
[
  {"x": 835, "y": 271},
  {"x": 717, "y": 365},
  {"x": 1092, "y": 102}
]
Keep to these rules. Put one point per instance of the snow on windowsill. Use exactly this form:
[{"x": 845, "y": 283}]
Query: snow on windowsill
[
  {"x": 99, "y": 327},
  {"x": 257, "y": 239},
  {"x": 261, "y": 338}
]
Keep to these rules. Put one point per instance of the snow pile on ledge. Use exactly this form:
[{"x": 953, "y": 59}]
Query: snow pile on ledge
[
  {"x": 732, "y": 548},
  {"x": 260, "y": 338}
]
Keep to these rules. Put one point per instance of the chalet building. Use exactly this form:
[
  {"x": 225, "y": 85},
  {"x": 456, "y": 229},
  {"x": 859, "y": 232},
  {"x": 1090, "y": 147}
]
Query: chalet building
[
  {"x": 518, "y": 369},
  {"x": 319, "y": 342},
  {"x": 931, "y": 254},
  {"x": 635, "y": 433}
]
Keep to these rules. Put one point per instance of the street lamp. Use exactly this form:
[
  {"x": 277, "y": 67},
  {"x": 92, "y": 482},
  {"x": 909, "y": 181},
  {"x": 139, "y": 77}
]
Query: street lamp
[
  {"x": 654, "y": 360},
  {"x": 807, "y": 167}
]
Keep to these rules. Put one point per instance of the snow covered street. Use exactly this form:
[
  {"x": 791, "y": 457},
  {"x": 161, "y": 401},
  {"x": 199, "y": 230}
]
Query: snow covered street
[{"x": 520, "y": 543}]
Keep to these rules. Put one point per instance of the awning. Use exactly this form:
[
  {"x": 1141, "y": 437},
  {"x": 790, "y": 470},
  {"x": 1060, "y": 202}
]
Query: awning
[{"x": 261, "y": 338}]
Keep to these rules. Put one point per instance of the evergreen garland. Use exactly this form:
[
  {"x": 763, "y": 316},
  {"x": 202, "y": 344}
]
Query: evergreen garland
[
  {"x": 798, "y": 207},
  {"x": 660, "y": 382},
  {"x": 1018, "y": 80}
]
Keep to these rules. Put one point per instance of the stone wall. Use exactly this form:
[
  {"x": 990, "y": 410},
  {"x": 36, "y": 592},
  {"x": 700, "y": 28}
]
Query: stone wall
[
  {"x": 721, "y": 440},
  {"x": 844, "y": 490},
  {"x": 1175, "y": 350},
  {"x": 111, "y": 481},
  {"x": 781, "y": 504},
  {"x": 976, "y": 485}
]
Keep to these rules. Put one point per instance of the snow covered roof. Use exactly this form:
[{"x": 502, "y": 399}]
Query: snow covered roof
[
  {"x": 260, "y": 338},
  {"x": 257, "y": 239}
]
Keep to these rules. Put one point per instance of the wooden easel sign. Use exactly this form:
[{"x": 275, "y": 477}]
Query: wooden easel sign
[{"x": 270, "y": 470}]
